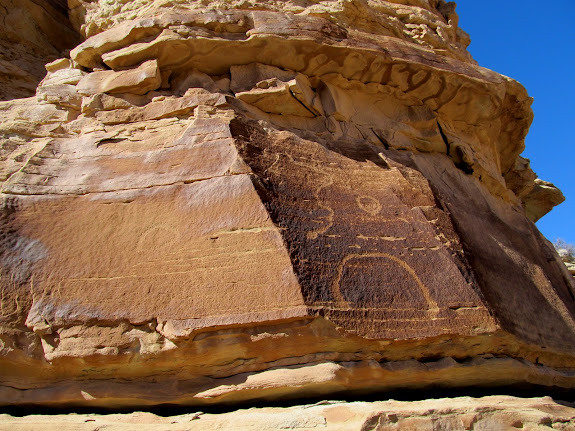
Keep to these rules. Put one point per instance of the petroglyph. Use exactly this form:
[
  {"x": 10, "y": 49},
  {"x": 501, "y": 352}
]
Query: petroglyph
[
  {"x": 383, "y": 238},
  {"x": 158, "y": 237},
  {"x": 357, "y": 264},
  {"x": 9, "y": 300},
  {"x": 327, "y": 219},
  {"x": 388, "y": 272},
  {"x": 368, "y": 204},
  {"x": 325, "y": 180}
]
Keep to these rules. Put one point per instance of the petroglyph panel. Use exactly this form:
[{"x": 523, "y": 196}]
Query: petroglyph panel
[{"x": 356, "y": 228}]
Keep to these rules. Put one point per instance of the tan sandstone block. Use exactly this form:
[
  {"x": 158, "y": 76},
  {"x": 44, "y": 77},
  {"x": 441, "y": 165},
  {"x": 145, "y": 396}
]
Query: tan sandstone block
[{"x": 140, "y": 80}]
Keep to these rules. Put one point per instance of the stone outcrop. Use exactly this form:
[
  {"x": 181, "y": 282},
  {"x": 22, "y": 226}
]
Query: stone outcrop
[
  {"x": 230, "y": 201},
  {"x": 448, "y": 414},
  {"x": 32, "y": 33}
]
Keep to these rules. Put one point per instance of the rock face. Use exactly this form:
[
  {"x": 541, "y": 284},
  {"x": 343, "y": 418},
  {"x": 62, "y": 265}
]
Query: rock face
[
  {"x": 32, "y": 33},
  {"x": 455, "y": 414},
  {"x": 215, "y": 202}
]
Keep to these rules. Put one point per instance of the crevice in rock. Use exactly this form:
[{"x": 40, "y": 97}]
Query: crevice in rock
[
  {"x": 84, "y": 193},
  {"x": 444, "y": 137},
  {"x": 460, "y": 163},
  {"x": 109, "y": 141},
  {"x": 560, "y": 395},
  {"x": 302, "y": 104},
  {"x": 381, "y": 139},
  {"x": 458, "y": 156}
]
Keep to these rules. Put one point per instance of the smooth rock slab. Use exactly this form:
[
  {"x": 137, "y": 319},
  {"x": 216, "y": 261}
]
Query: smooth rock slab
[{"x": 139, "y": 80}]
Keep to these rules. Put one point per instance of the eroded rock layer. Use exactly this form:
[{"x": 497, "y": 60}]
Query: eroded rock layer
[
  {"x": 214, "y": 202},
  {"x": 449, "y": 414},
  {"x": 32, "y": 33}
]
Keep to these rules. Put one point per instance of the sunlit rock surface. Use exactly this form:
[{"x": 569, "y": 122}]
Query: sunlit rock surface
[
  {"x": 449, "y": 414},
  {"x": 218, "y": 202}
]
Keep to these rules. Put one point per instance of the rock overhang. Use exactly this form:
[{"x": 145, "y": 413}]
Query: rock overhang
[{"x": 469, "y": 102}]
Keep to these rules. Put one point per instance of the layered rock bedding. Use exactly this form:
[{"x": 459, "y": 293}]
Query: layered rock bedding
[
  {"x": 214, "y": 202},
  {"x": 487, "y": 413}
]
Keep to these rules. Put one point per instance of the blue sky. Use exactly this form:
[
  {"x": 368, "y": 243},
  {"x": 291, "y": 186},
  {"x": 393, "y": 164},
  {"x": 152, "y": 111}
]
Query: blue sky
[{"x": 534, "y": 43}]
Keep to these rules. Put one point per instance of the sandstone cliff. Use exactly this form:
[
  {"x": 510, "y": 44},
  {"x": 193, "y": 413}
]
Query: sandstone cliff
[
  {"x": 32, "y": 33},
  {"x": 222, "y": 201}
]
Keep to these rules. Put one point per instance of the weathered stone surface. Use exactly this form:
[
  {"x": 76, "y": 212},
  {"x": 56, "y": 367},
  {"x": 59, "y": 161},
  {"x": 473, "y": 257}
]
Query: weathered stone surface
[
  {"x": 541, "y": 199},
  {"x": 448, "y": 414},
  {"x": 294, "y": 97},
  {"x": 32, "y": 33},
  {"x": 430, "y": 24},
  {"x": 140, "y": 80},
  {"x": 270, "y": 201}
]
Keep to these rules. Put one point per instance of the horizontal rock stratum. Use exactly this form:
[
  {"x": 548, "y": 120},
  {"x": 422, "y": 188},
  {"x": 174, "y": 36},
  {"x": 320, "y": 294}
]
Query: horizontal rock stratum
[
  {"x": 227, "y": 201},
  {"x": 449, "y": 414}
]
